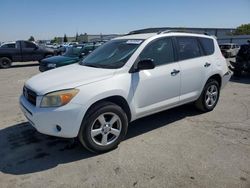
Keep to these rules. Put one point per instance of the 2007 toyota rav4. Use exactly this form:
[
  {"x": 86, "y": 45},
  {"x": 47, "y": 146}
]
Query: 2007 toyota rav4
[{"x": 125, "y": 79}]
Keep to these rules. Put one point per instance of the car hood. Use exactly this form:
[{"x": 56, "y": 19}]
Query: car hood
[
  {"x": 67, "y": 77},
  {"x": 59, "y": 59}
]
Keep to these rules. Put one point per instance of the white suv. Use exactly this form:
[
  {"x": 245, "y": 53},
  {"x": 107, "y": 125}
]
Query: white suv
[{"x": 125, "y": 79}]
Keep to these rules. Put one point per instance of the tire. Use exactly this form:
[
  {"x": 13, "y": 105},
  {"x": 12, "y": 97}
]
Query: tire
[
  {"x": 42, "y": 69},
  {"x": 5, "y": 62},
  {"x": 208, "y": 99},
  {"x": 97, "y": 131}
]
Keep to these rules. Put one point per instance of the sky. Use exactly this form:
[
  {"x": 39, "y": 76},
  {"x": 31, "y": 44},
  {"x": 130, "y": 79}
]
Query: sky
[{"x": 45, "y": 19}]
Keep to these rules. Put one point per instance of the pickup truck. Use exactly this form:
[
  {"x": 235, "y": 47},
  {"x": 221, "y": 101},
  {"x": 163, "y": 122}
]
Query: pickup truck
[{"x": 22, "y": 51}]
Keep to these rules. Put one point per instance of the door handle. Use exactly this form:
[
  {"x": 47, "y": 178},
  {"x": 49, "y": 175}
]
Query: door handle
[
  {"x": 207, "y": 65},
  {"x": 174, "y": 72}
]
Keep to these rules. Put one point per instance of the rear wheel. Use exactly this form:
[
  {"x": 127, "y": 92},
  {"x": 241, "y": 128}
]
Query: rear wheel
[
  {"x": 209, "y": 96},
  {"x": 104, "y": 127},
  {"x": 5, "y": 63}
]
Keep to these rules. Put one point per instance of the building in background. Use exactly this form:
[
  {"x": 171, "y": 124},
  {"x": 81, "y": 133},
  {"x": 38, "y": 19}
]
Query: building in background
[
  {"x": 224, "y": 35},
  {"x": 238, "y": 39},
  {"x": 90, "y": 38},
  {"x": 218, "y": 32}
]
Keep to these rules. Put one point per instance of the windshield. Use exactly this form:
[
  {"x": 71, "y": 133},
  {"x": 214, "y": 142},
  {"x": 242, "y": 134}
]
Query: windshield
[
  {"x": 225, "y": 47},
  {"x": 113, "y": 54},
  {"x": 73, "y": 52}
]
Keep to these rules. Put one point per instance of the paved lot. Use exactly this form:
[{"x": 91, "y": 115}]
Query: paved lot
[{"x": 175, "y": 148}]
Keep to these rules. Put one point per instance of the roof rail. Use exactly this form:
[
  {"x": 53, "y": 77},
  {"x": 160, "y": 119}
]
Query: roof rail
[
  {"x": 180, "y": 31},
  {"x": 161, "y": 31}
]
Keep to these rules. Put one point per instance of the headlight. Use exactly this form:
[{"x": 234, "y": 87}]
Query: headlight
[
  {"x": 51, "y": 65},
  {"x": 58, "y": 98}
]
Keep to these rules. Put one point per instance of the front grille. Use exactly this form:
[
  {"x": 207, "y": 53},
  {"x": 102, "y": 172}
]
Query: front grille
[{"x": 29, "y": 95}]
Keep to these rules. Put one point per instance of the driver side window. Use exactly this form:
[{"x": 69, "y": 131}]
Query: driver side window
[{"x": 160, "y": 50}]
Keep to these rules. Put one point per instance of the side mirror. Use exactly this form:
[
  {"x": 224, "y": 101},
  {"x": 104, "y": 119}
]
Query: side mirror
[
  {"x": 144, "y": 64},
  {"x": 36, "y": 47}
]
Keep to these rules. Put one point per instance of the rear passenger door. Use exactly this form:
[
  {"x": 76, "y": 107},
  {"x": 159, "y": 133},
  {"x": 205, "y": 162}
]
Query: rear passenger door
[{"x": 193, "y": 67}]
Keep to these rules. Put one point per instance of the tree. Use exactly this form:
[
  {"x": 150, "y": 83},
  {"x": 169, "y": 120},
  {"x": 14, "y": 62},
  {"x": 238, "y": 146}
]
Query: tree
[
  {"x": 31, "y": 39},
  {"x": 65, "y": 39},
  {"x": 55, "y": 40},
  {"x": 244, "y": 29}
]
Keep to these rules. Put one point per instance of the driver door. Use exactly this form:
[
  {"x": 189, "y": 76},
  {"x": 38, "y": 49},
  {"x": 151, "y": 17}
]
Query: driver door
[
  {"x": 30, "y": 51},
  {"x": 159, "y": 88}
]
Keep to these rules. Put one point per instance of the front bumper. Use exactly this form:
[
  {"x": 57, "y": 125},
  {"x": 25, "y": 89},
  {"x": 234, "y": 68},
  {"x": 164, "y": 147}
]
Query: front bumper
[
  {"x": 46, "y": 120},
  {"x": 226, "y": 78}
]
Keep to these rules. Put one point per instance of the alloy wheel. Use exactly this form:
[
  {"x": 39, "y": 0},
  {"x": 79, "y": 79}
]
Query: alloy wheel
[
  {"x": 106, "y": 129},
  {"x": 211, "y": 95}
]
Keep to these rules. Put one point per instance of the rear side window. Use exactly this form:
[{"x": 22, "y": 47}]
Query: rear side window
[
  {"x": 12, "y": 45},
  {"x": 188, "y": 48},
  {"x": 207, "y": 45}
]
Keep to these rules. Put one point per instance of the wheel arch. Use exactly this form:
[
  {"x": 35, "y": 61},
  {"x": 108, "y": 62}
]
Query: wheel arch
[
  {"x": 216, "y": 77},
  {"x": 7, "y": 56},
  {"x": 116, "y": 99}
]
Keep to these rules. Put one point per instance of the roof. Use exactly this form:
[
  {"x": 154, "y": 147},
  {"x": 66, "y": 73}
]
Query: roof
[
  {"x": 143, "y": 36},
  {"x": 158, "y": 29},
  {"x": 8, "y": 42}
]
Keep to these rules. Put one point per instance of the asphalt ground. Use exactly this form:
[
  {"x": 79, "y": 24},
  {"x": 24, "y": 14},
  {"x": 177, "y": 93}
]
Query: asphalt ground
[{"x": 180, "y": 147}]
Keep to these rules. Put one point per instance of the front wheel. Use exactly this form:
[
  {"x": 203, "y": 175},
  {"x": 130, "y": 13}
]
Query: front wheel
[
  {"x": 209, "y": 96},
  {"x": 104, "y": 128}
]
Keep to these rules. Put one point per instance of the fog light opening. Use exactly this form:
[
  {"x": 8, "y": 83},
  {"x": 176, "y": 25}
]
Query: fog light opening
[{"x": 58, "y": 128}]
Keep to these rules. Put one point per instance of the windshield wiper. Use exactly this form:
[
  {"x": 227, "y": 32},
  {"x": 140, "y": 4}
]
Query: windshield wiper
[
  {"x": 92, "y": 65},
  {"x": 99, "y": 65}
]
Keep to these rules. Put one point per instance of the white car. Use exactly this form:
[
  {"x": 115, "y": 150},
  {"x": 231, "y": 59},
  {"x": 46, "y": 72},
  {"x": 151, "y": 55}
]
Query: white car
[
  {"x": 125, "y": 79},
  {"x": 229, "y": 49}
]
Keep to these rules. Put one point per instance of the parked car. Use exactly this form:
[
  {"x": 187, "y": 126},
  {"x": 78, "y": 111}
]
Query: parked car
[
  {"x": 125, "y": 79},
  {"x": 61, "y": 50},
  {"x": 72, "y": 55},
  {"x": 73, "y": 44},
  {"x": 242, "y": 62},
  {"x": 22, "y": 51},
  {"x": 53, "y": 45},
  {"x": 229, "y": 49}
]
